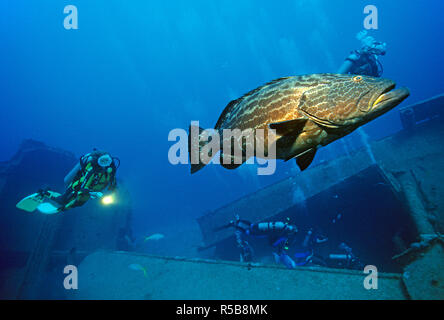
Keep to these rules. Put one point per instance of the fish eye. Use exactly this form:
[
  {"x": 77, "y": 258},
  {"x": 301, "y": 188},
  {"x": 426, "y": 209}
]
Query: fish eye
[{"x": 357, "y": 78}]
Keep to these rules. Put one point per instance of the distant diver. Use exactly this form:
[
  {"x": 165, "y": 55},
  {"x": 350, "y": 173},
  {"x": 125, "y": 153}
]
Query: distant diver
[
  {"x": 95, "y": 172},
  {"x": 347, "y": 259},
  {"x": 309, "y": 255},
  {"x": 306, "y": 255},
  {"x": 365, "y": 60},
  {"x": 306, "y": 112},
  {"x": 278, "y": 234}
]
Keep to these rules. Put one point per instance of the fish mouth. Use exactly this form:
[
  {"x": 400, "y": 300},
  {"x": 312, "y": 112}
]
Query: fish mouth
[{"x": 390, "y": 97}]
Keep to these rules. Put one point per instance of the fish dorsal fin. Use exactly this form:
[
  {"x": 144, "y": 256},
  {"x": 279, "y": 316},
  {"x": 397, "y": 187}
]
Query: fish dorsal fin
[
  {"x": 289, "y": 127},
  {"x": 305, "y": 159},
  {"x": 230, "y": 106}
]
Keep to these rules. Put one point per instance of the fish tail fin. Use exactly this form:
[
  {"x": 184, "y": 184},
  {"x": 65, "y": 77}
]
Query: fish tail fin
[{"x": 195, "y": 145}]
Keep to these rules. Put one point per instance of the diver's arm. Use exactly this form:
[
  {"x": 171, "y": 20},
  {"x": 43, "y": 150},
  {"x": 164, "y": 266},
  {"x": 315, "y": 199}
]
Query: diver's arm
[
  {"x": 112, "y": 183},
  {"x": 84, "y": 188},
  {"x": 291, "y": 228},
  {"x": 246, "y": 222},
  {"x": 349, "y": 63},
  {"x": 346, "y": 67},
  {"x": 85, "y": 159},
  {"x": 226, "y": 226},
  {"x": 307, "y": 239}
]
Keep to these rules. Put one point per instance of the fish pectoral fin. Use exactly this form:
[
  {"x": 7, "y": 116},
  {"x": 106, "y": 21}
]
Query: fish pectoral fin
[
  {"x": 230, "y": 166},
  {"x": 289, "y": 127},
  {"x": 320, "y": 122},
  {"x": 305, "y": 159}
]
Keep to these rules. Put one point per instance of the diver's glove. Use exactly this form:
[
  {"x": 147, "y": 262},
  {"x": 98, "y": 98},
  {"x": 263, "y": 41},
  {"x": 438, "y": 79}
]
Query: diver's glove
[{"x": 95, "y": 195}]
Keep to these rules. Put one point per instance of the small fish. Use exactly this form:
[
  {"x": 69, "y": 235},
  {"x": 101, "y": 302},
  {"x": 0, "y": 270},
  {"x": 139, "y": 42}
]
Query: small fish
[
  {"x": 137, "y": 267},
  {"x": 307, "y": 112},
  {"x": 155, "y": 236}
]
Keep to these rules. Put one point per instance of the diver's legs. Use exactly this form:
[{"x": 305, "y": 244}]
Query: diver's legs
[
  {"x": 285, "y": 260},
  {"x": 65, "y": 197},
  {"x": 246, "y": 254}
]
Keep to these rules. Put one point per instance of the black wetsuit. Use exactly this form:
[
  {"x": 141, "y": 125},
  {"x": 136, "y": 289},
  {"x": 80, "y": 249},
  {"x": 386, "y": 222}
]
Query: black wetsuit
[
  {"x": 278, "y": 234},
  {"x": 365, "y": 63}
]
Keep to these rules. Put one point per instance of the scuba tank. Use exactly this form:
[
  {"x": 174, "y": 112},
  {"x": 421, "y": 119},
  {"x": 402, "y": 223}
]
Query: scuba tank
[
  {"x": 275, "y": 226},
  {"x": 279, "y": 226},
  {"x": 77, "y": 168},
  {"x": 71, "y": 175},
  {"x": 270, "y": 226},
  {"x": 334, "y": 256}
]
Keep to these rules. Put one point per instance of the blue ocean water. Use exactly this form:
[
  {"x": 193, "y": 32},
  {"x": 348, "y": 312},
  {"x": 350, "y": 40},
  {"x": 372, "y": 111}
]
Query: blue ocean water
[{"x": 134, "y": 70}]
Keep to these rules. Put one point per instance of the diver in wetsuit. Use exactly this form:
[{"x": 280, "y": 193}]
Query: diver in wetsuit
[
  {"x": 306, "y": 255},
  {"x": 95, "y": 172},
  {"x": 347, "y": 259},
  {"x": 241, "y": 228},
  {"x": 309, "y": 253},
  {"x": 246, "y": 251},
  {"x": 365, "y": 60},
  {"x": 278, "y": 234}
]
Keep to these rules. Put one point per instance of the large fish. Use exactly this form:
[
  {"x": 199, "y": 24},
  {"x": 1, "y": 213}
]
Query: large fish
[{"x": 306, "y": 111}]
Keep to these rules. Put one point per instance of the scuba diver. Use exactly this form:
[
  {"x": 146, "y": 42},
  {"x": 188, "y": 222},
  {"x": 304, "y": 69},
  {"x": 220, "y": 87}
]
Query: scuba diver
[
  {"x": 95, "y": 172},
  {"x": 312, "y": 241},
  {"x": 246, "y": 251},
  {"x": 365, "y": 60},
  {"x": 346, "y": 259},
  {"x": 309, "y": 255},
  {"x": 278, "y": 234}
]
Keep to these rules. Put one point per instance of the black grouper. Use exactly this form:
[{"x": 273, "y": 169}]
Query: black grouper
[{"x": 306, "y": 111}]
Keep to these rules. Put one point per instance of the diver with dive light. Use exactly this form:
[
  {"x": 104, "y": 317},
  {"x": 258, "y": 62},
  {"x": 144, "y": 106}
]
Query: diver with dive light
[
  {"x": 95, "y": 172},
  {"x": 91, "y": 176}
]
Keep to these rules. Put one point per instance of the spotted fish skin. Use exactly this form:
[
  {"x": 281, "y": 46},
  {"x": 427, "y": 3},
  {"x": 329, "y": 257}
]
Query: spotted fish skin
[{"x": 307, "y": 112}]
